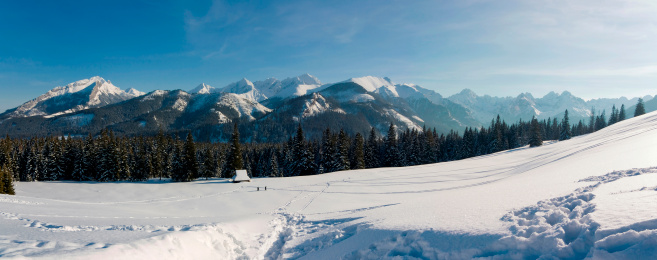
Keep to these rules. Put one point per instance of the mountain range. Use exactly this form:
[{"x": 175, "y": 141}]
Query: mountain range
[{"x": 269, "y": 110}]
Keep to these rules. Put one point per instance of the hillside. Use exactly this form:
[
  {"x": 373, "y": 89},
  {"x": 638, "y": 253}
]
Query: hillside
[{"x": 591, "y": 196}]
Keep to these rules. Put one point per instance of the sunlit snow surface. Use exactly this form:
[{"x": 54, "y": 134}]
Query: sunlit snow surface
[{"x": 592, "y": 196}]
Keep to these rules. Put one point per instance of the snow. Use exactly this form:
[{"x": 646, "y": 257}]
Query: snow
[
  {"x": 180, "y": 104},
  {"x": 244, "y": 106},
  {"x": 588, "y": 197},
  {"x": 408, "y": 122},
  {"x": 221, "y": 118},
  {"x": 154, "y": 94}
]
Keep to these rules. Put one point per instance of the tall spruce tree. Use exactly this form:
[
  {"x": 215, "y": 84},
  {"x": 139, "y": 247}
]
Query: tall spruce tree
[
  {"x": 535, "y": 137},
  {"x": 372, "y": 150},
  {"x": 391, "y": 157},
  {"x": 565, "y": 127},
  {"x": 359, "y": 153},
  {"x": 273, "y": 166},
  {"x": 209, "y": 164},
  {"x": 2, "y": 180},
  {"x": 235, "y": 160},
  {"x": 7, "y": 181},
  {"x": 613, "y": 118},
  {"x": 190, "y": 162},
  {"x": 621, "y": 113},
  {"x": 303, "y": 158},
  {"x": 640, "y": 108},
  {"x": 342, "y": 158},
  {"x": 327, "y": 152}
]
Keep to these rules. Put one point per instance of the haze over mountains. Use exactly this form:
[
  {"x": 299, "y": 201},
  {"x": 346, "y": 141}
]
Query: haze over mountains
[{"x": 269, "y": 110}]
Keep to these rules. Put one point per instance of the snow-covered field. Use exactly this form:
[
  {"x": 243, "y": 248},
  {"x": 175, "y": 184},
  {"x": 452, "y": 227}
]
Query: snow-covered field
[{"x": 592, "y": 196}]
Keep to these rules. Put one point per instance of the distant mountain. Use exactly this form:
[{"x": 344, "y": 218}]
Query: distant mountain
[
  {"x": 265, "y": 89},
  {"x": 170, "y": 111},
  {"x": 76, "y": 96},
  {"x": 525, "y": 106},
  {"x": 269, "y": 110}
]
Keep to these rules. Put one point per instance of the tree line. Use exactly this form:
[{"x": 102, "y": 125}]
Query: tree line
[{"x": 106, "y": 157}]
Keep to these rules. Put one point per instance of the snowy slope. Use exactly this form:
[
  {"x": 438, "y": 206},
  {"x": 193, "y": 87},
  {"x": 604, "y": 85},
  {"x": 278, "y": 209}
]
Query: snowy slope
[
  {"x": 571, "y": 199},
  {"x": 76, "y": 96}
]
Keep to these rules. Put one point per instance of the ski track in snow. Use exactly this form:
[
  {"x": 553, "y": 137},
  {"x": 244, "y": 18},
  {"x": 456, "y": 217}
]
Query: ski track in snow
[{"x": 556, "y": 228}]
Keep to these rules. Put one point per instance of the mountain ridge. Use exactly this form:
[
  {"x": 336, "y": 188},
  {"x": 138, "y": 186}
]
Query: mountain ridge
[{"x": 355, "y": 104}]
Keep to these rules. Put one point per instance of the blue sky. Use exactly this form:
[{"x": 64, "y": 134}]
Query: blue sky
[{"x": 593, "y": 48}]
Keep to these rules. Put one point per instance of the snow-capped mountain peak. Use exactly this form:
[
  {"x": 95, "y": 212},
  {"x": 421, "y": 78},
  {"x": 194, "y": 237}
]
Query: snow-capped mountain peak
[
  {"x": 75, "y": 96},
  {"x": 308, "y": 79},
  {"x": 202, "y": 89},
  {"x": 134, "y": 92},
  {"x": 245, "y": 89}
]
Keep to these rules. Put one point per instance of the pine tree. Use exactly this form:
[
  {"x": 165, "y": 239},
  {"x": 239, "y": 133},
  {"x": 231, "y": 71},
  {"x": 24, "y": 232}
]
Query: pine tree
[
  {"x": 107, "y": 166},
  {"x": 535, "y": 138},
  {"x": 209, "y": 164},
  {"x": 124, "y": 171},
  {"x": 158, "y": 154},
  {"x": 391, "y": 157},
  {"x": 359, "y": 154},
  {"x": 273, "y": 166},
  {"x": 90, "y": 156},
  {"x": 342, "y": 157},
  {"x": 190, "y": 162},
  {"x": 371, "y": 151},
  {"x": 7, "y": 181},
  {"x": 234, "y": 160},
  {"x": 591, "y": 121},
  {"x": 613, "y": 118},
  {"x": 565, "y": 127},
  {"x": 328, "y": 152},
  {"x": 303, "y": 159},
  {"x": 621, "y": 113},
  {"x": 2, "y": 180},
  {"x": 640, "y": 108}
]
